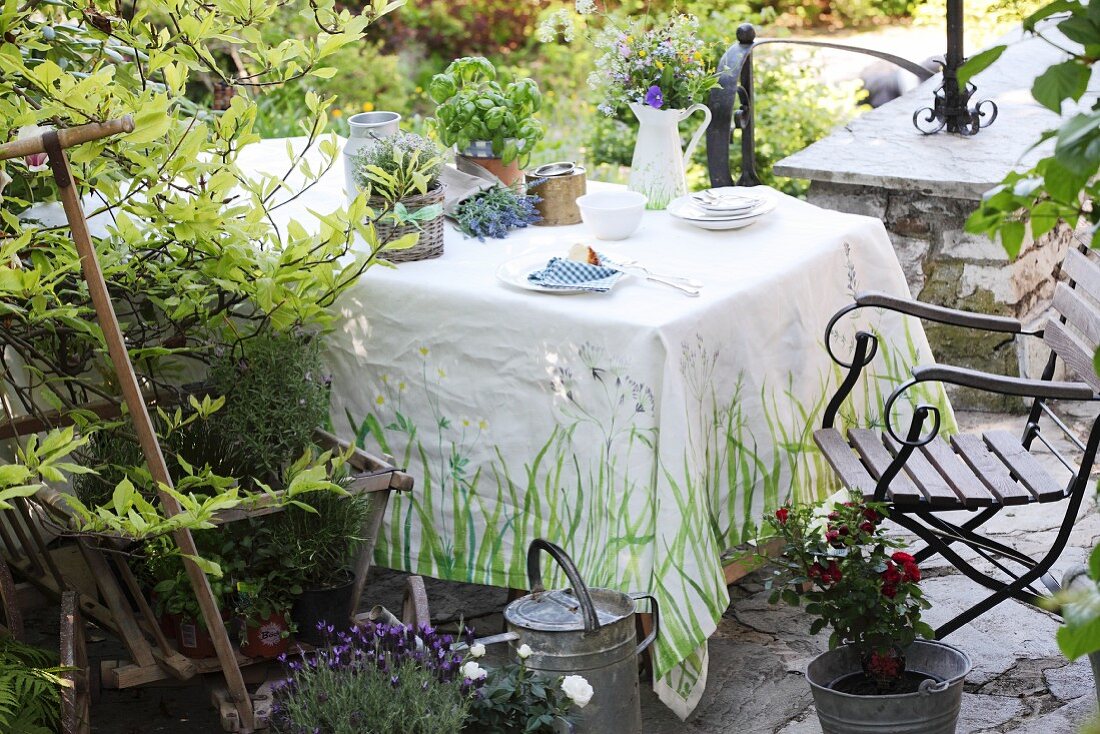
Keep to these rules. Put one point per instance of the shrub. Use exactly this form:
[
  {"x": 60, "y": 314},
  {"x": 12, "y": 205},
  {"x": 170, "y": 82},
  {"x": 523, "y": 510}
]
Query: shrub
[
  {"x": 30, "y": 689},
  {"x": 375, "y": 678},
  {"x": 277, "y": 394}
]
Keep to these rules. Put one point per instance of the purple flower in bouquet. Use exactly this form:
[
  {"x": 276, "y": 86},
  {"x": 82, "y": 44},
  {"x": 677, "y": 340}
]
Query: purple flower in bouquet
[{"x": 654, "y": 98}]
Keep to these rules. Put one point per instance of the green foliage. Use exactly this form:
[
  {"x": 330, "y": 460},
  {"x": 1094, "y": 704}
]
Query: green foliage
[
  {"x": 474, "y": 106},
  {"x": 191, "y": 258},
  {"x": 403, "y": 165},
  {"x": 276, "y": 394},
  {"x": 30, "y": 689},
  {"x": 866, "y": 595},
  {"x": 1080, "y": 609},
  {"x": 1061, "y": 186},
  {"x": 321, "y": 540},
  {"x": 513, "y": 700}
]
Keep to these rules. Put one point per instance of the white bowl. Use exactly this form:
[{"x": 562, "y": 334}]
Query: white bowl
[{"x": 612, "y": 215}]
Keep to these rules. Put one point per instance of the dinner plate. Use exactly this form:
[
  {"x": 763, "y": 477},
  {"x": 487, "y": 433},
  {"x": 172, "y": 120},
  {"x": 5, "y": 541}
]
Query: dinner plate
[
  {"x": 688, "y": 209},
  {"x": 515, "y": 271}
]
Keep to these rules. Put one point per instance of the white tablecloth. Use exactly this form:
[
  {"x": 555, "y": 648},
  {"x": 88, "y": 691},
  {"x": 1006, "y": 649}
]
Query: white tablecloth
[{"x": 643, "y": 430}]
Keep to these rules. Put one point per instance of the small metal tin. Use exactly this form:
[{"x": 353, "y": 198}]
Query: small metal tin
[
  {"x": 558, "y": 168},
  {"x": 558, "y": 194}
]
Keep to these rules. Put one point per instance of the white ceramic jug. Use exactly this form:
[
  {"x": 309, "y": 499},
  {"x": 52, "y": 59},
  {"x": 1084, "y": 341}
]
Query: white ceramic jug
[
  {"x": 366, "y": 128},
  {"x": 658, "y": 168}
]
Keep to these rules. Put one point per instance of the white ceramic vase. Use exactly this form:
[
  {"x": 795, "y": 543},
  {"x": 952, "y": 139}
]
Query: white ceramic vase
[
  {"x": 659, "y": 166},
  {"x": 366, "y": 129}
]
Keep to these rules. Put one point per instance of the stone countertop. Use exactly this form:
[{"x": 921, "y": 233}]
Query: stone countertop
[{"x": 882, "y": 148}]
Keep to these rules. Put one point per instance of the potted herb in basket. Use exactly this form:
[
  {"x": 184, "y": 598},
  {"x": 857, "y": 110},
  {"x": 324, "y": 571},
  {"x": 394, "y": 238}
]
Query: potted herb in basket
[
  {"x": 489, "y": 123},
  {"x": 401, "y": 174},
  {"x": 838, "y": 559}
]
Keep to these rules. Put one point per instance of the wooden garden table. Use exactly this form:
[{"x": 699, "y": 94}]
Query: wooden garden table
[{"x": 643, "y": 430}]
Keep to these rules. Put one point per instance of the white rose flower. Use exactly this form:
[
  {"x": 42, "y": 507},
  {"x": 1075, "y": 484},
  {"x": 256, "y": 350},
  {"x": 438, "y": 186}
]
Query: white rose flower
[
  {"x": 477, "y": 650},
  {"x": 578, "y": 690},
  {"x": 473, "y": 671},
  {"x": 524, "y": 651}
]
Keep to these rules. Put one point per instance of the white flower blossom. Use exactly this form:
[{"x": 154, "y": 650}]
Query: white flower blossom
[
  {"x": 477, "y": 650},
  {"x": 586, "y": 7},
  {"x": 577, "y": 688},
  {"x": 524, "y": 651},
  {"x": 473, "y": 671}
]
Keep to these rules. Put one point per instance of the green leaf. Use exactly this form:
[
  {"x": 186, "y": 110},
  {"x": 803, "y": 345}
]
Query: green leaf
[
  {"x": 1067, "y": 80},
  {"x": 1012, "y": 237},
  {"x": 977, "y": 64}
]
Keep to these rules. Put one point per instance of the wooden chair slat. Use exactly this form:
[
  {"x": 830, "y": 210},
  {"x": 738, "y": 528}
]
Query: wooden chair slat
[
  {"x": 1081, "y": 314},
  {"x": 1084, "y": 272},
  {"x": 970, "y": 490},
  {"x": 1024, "y": 466},
  {"x": 1075, "y": 353},
  {"x": 927, "y": 478},
  {"x": 844, "y": 462},
  {"x": 989, "y": 469},
  {"x": 870, "y": 447}
]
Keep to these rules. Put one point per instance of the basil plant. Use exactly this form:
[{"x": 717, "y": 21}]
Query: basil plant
[{"x": 474, "y": 106}]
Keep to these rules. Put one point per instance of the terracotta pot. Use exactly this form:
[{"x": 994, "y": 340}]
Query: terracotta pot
[
  {"x": 266, "y": 638},
  {"x": 168, "y": 624},
  {"x": 193, "y": 639},
  {"x": 509, "y": 175}
]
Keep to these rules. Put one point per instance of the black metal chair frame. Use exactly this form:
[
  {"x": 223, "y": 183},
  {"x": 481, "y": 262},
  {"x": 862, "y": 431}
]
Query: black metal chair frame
[{"x": 921, "y": 519}]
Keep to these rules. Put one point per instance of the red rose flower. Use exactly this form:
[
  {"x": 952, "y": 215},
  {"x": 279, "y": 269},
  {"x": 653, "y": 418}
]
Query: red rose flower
[
  {"x": 834, "y": 515},
  {"x": 903, "y": 558},
  {"x": 781, "y": 514},
  {"x": 870, "y": 515},
  {"x": 867, "y": 526},
  {"x": 833, "y": 573},
  {"x": 817, "y": 570},
  {"x": 831, "y": 536}
]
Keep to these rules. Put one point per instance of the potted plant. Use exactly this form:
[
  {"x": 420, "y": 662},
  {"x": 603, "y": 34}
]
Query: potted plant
[
  {"x": 513, "y": 700},
  {"x": 490, "y": 124},
  {"x": 838, "y": 559},
  {"x": 176, "y": 598},
  {"x": 321, "y": 545},
  {"x": 401, "y": 175},
  {"x": 263, "y": 609},
  {"x": 376, "y": 678}
]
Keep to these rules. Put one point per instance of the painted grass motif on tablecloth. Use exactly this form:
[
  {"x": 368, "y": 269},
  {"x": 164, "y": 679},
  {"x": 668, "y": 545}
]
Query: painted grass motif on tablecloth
[{"x": 474, "y": 511}]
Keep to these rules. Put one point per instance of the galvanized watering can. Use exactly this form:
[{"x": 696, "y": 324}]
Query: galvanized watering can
[{"x": 587, "y": 632}]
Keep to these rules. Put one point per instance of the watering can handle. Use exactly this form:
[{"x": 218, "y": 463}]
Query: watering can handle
[
  {"x": 654, "y": 609},
  {"x": 534, "y": 576},
  {"x": 698, "y": 132}
]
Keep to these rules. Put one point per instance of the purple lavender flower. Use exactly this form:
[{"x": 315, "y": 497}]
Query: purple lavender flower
[{"x": 654, "y": 98}]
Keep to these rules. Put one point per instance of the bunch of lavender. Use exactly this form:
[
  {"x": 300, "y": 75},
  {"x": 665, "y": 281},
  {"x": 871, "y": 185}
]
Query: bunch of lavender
[
  {"x": 378, "y": 678},
  {"x": 496, "y": 212}
]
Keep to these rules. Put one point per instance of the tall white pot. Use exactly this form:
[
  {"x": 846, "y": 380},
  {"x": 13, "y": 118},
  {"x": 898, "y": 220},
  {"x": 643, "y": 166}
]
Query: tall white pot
[
  {"x": 659, "y": 166},
  {"x": 366, "y": 128}
]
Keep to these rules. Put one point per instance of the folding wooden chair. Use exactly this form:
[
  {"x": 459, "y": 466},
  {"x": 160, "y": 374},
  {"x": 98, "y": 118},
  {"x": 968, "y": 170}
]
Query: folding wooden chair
[{"x": 921, "y": 475}]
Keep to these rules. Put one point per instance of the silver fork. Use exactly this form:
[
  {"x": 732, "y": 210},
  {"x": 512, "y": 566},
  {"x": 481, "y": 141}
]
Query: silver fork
[{"x": 665, "y": 277}]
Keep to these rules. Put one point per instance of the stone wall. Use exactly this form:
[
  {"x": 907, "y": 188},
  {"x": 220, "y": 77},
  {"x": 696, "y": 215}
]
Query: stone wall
[{"x": 945, "y": 265}]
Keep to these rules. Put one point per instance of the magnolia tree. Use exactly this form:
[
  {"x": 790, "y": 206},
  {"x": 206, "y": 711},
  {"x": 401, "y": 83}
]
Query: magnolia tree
[{"x": 193, "y": 260}]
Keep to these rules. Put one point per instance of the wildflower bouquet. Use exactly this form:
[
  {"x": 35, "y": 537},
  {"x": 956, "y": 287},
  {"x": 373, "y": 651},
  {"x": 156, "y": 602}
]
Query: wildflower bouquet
[
  {"x": 867, "y": 593},
  {"x": 662, "y": 65}
]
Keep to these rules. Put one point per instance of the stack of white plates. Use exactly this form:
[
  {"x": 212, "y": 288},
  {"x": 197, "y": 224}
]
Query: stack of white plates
[{"x": 731, "y": 207}]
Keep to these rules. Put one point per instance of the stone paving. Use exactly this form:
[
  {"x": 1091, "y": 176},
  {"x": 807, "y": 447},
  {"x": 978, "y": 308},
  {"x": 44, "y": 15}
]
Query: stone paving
[{"x": 1020, "y": 682}]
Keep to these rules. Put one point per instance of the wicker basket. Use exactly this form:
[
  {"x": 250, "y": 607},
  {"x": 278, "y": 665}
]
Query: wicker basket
[{"x": 431, "y": 232}]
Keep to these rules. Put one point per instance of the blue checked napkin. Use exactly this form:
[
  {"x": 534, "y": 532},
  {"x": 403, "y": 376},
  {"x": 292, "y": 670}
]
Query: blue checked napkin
[{"x": 571, "y": 275}]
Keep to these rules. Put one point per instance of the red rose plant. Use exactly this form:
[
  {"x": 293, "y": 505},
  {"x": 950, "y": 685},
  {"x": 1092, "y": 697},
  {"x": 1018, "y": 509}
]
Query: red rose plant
[{"x": 838, "y": 559}]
